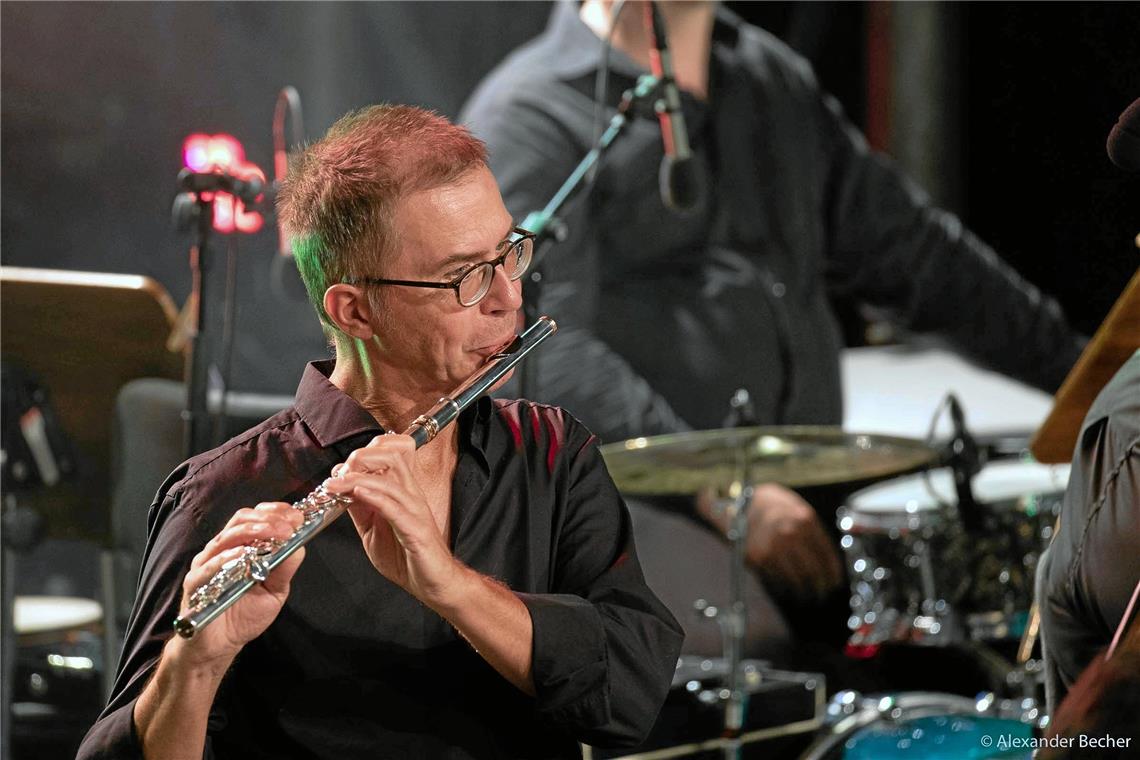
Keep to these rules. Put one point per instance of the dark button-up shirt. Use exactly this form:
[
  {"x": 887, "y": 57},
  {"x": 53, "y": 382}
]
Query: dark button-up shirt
[
  {"x": 354, "y": 666},
  {"x": 664, "y": 316},
  {"x": 1093, "y": 564}
]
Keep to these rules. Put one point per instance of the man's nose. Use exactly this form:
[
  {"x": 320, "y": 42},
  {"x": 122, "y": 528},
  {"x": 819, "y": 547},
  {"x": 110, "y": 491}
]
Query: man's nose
[{"x": 504, "y": 294}]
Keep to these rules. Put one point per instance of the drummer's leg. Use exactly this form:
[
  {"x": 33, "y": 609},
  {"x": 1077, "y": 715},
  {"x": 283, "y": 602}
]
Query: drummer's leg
[{"x": 685, "y": 561}]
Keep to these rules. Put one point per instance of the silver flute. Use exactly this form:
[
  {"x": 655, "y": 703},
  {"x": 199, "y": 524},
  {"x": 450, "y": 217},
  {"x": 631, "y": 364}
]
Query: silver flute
[{"x": 320, "y": 507}]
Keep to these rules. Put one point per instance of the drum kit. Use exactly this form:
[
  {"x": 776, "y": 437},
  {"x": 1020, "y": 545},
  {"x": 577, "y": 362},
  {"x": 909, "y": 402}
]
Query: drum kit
[{"x": 930, "y": 564}]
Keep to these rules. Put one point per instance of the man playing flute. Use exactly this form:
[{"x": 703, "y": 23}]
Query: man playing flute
[{"x": 485, "y": 599}]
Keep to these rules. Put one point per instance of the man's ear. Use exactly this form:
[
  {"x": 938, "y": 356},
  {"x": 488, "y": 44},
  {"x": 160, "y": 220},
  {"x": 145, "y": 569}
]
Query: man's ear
[{"x": 347, "y": 307}]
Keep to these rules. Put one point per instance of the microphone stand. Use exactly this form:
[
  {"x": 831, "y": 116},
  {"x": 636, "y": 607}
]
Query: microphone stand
[
  {"x": 195, "y": 417},
  {"x": 549, "y": 229},
  {"x": 191, "y": 207}
]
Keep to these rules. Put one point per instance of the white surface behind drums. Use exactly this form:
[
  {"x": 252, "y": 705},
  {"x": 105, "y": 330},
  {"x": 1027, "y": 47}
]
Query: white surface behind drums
[
  {"x": 896, "y": 389},
  {"x": 998, "y": 481}
]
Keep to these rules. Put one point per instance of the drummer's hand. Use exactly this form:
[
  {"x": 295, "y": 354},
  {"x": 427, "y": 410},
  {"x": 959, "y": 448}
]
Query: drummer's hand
[
  {"x": 219, "y": 642},
  {"x": 787, "y": 544},
  {"x": 395, "y": 523}
]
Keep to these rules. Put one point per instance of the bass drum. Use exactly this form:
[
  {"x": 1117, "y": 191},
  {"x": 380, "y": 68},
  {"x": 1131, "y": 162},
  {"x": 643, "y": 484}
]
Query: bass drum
[{"x": 924, "y": 726}]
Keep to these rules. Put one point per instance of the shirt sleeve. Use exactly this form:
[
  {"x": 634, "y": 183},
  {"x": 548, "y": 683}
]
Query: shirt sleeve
[
  {"x": 1093, "y": 564},
  {"x": 532, "y": 151},
  {"x": 605, "y": 647},
  {"x": 175, "y": 535},
  {"x": 888, "y": 246}
]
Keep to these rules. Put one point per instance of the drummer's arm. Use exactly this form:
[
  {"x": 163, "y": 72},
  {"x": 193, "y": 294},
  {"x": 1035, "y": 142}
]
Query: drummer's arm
[{"x": 787, "y": 544}]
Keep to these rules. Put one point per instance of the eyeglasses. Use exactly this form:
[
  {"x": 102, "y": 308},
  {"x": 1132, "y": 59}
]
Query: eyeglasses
[{"x": 474, "y": 283}]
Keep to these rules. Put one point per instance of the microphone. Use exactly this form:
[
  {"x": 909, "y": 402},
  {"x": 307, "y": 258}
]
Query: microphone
[
  {"x": 677, "y": 178},
  {"x": 965, "y": 462},
  {"x": 246, "y": 190},
  {"x": 1124, "y": 139}
]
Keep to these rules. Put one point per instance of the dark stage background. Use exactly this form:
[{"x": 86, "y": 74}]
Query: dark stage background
[{"x": 96, "y": 99}]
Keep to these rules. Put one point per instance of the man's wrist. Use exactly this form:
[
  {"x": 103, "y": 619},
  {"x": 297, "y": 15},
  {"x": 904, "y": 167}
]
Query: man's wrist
[
  {"x": 461, "y": 592},
  {"x": 184, "y": 660}
]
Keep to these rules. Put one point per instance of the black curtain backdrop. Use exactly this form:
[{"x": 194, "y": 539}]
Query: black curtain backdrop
[
  {"x": 96, "y": 98},
  {"x": 1045, "y": 83}
]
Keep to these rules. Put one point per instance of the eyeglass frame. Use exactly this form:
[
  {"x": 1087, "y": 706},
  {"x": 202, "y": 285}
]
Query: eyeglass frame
[{"x": 522, "y": 237}]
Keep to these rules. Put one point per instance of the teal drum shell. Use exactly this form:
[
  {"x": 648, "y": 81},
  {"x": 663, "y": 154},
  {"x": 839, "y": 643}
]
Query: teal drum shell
[
  {"x": 940, "y": 737},
  {"x": 924, "y": 726}
]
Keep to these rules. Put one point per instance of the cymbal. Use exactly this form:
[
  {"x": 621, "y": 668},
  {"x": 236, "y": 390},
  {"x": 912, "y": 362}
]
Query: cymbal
[{"x": 793, "y": 456}]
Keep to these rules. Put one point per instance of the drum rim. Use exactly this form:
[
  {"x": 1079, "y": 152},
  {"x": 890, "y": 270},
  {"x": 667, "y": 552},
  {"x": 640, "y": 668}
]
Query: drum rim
[{"x": 915, "y": 704}]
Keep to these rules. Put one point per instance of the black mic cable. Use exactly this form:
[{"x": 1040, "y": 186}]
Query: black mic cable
[
  {"x": 288, "y": 102},
  {"x": 284, "y": 279},
  {"x": 601, "y": 87}
]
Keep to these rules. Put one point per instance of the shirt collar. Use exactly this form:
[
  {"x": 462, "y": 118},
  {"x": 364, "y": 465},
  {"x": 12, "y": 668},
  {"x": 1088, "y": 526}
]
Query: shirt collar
[
  {"x": 330, "y": 413},
  {"x": 574, "y": 49},
  {"x": 333, "y": 416}
]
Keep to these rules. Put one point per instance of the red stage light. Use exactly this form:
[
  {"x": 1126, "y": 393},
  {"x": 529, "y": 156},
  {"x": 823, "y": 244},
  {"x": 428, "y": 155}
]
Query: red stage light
[
  {"x": 223, "y": 153},
  {"x": 196, "y": 153}
]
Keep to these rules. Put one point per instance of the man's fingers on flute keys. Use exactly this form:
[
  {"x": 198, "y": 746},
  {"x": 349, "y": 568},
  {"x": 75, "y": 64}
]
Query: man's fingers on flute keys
[{"x": 275, "y": 520}]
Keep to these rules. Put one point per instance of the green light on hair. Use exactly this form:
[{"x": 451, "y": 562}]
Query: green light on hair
[
  {"x": 362, "y": 355},
  {"x": 308, "y": 252}
]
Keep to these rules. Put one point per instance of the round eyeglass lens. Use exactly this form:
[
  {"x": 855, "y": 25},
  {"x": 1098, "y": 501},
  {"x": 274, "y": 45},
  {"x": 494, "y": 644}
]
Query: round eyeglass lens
[
  {"x": 475, "y": 284},
  {"x": 518, "y": 259}
]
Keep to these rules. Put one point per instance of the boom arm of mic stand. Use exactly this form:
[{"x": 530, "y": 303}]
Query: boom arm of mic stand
[{"x": 549, "y": 229}]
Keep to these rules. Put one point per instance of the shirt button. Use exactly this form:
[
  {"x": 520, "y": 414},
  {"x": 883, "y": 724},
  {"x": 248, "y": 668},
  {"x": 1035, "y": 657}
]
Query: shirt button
[{"x": 778, "y": 289}]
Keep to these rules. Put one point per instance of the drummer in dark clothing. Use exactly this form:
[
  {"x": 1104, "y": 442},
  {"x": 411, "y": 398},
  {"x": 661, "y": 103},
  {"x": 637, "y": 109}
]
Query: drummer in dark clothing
[{"x": 664, "y": 316}]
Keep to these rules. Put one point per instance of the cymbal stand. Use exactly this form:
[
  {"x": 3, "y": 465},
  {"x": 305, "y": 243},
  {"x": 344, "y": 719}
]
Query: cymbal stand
[
  {"x": 736, "y": 621},
  {"x": 733, "y": 621}
]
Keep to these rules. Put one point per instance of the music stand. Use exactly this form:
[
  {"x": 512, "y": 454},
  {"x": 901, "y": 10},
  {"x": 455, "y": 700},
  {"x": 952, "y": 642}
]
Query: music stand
[{"x": 85, "y": 335}]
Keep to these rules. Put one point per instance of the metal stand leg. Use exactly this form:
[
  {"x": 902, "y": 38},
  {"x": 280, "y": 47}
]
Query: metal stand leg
[
  {"x": 736, "y": 624},
  {"x": 111, "y": 633},
  {"x": 7, "y": 645},
  {"x": 733, "y": 621},
  {"x": 22, "y": 529}
]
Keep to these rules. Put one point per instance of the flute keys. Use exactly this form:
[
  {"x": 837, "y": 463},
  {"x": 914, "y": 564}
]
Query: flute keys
[
  {"x": 205, "y": 594},
  {"x": 316, "y": 504},
  {"x": 262, "y": 546},
  {"x": 258, "y": 570}
]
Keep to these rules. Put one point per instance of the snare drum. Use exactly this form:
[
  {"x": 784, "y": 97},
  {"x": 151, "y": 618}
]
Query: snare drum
[
  {"x": 925, "y": 725},
  {"x": 915, "y": 574}
]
